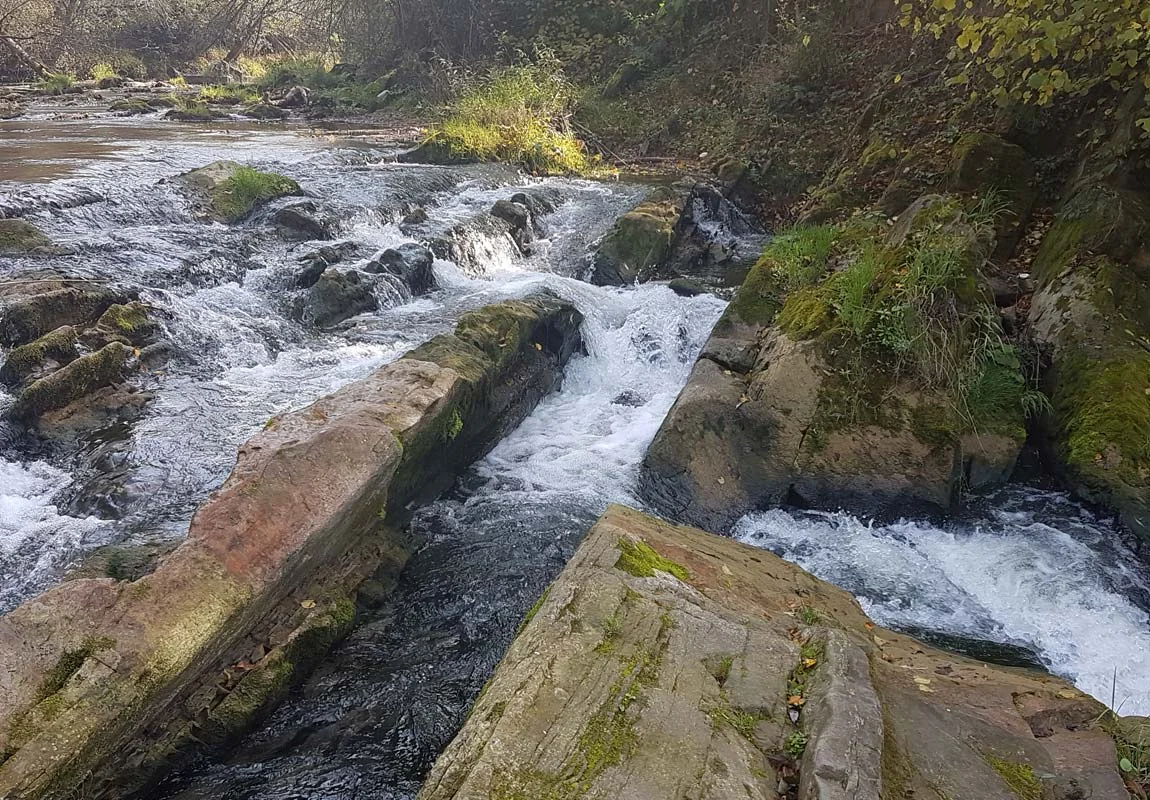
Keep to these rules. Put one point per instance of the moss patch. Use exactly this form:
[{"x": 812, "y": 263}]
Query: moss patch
[
  {"x": 531, "y": 612},
  {"x": 641, "y": 560},
  {"x": 1019, "y": 777},
  {"x": 69, "y": 663},
  {"x": 18, "y": 236},
  {"x": 79, "y": 378},
  {"x": 23, "y": 361}
]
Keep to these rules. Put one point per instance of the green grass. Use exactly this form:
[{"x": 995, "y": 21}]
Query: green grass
[
  {"x": 229, "y": 94},
  {"x": 239, "y": 194},
  {"x": 102, "y": 72},
  {"x": 57, "y": 83},
  {"x": 517, "y": 115},
  {"x": 310, "y": 72}
]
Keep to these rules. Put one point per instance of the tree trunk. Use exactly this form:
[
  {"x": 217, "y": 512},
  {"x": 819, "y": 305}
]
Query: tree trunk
[{"x": 25, "y": 57}]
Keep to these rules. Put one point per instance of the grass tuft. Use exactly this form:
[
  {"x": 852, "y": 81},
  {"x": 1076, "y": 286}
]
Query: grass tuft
[
  {"x": 57, "y": 83},
  {"x": 239, "y": 194},
  {"x": 641, "y": 560}
]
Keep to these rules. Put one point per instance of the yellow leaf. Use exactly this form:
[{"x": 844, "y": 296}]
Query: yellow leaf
[
  {"x": 810, "y": 663},
  {"x": 898, "y": 78},
  {"x": 308, "y": 604}
]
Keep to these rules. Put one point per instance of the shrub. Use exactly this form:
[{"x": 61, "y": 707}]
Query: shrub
[
  {"x": 515, "y": 114},
  {"x": 310, "y": 72},
  {"x": 102, "y": 71},
  {"x": 57, "y": 83}
]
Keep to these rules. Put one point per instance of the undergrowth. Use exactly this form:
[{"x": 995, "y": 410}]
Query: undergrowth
[
  {"x": 56, "y": 83},
  {"x": 515, "y": 114}
]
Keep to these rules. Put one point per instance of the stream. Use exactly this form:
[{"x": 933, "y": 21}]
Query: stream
[{"x": 1026, "y": 567}]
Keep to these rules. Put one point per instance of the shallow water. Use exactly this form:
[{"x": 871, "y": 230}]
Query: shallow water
[{"x": 1028, "y": 568}]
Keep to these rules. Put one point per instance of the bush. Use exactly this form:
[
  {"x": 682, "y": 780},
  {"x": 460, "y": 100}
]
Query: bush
[
  {"x": 230, "y": 94},
  {"x": 57, "y": 83},
  {"x": 518, "y": 115},
  {"x": 102, "y": 71},
  {"x": 310, "y": 72}
]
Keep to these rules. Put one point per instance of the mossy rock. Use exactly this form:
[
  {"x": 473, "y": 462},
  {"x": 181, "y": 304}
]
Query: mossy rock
[
  {"x": 19, "y": 237},
  {"x": 129, "y": 323},
  {"x": 72, "y": 382},
  {"x": 987, "y": 164},
  {"x": 24, "y": 361},
  {"x": 1097, "y": 219},
  {"x": 639, "y": 243},
  {"x": 231, "y": 191},
  {"x": 132, "y": 106},
  {"x": 265, "y": 111},
  {"x": 27, "y": 318}
]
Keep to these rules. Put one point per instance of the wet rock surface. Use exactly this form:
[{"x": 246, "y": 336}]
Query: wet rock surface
[{"x": 666, "y": 660}]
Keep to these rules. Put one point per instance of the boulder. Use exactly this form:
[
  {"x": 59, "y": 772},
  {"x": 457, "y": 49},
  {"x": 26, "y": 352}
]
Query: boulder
[
  {"x": 264, "y": 111},
  {"x": 132, "y": 106},
  {"x": 104, "y": 681},
  {"x": 48, "y": 353},
  {"x": 336, "y": 296},
  {"x": 1092, "y": 313},
  {"x": 411, "y": 263},
  {"x": 77, "y": 379},
  {"x": 128, "y": 323},
  {"x": 227, "y": 191},
  {"x": 667, "y": 662},
  {"x": 714, "y": 241},
  {"x": 638, "y": 244},
  {"x": 315, "y": 263},
  {"x": 795, "y": 400},
  {"x": 11, "y": 110},
  {"x": 300, "y": 221},
  {"x": 296, "y": 97},
  {"x": 519, "y": 221},
  {"x": 19, "y": 237},
  {"x": 26, "y": 317}
]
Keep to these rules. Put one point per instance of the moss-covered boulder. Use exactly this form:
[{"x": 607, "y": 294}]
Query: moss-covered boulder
[
  {"x": 665, "y": 662},
  {"x": 228, "y": 192},
  {"x": 336, "y": 296},
  {"x": 79, "y": 378},
  {"x": 49, "y": 352},
  {"x": 19, "y": 237},
  {"x": 26, "y": 317},
  {"x": 128, "y": 323},
  {"x": 856, "y": 368},
  {"x": 639, "y": 242},
  {"x": 132, "y": 106},
  {"x": 1092, "y": 311}
]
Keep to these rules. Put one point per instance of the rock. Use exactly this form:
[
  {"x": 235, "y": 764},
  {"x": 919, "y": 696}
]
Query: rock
[
  {"x": 27, "y": 317},
  {"x": 11, "y": 110},
  {"x": 685, "y": 287},
  {"x": 411, "y": 263},
  {"x": 414, "y": 219},
  {"x": 18, "y": 237},
  {"x": 109, "y": 680},
  {"x": 228, "y": 192},
  {"x": 296, "y": 97},
  {"x": 518, "y": 218},
  {"x": 316, "y": 263},
  {"x": 132, "y": 106},
  {"x": 1092, "y": 313},
  {"x": 300, "y": 222},
  {"x": 714, "y": 241},
  {"x": 129, "y": 324},
  {"x": 75, "y": 380},
  {"x": 983, "y": 163},
  {"x": 50, "y": 352},
  {"x": 639, "y": 243},
  {"x": 666, "y": 662},
  {"x": 785, "y": 408},
  {"x": 264, "y": 111},
  {"x": 336, "y": 296}
]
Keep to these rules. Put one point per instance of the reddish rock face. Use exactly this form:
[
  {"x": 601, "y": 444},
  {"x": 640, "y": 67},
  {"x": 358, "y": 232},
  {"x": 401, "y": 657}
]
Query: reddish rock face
[{"x": 96, "y": 674}]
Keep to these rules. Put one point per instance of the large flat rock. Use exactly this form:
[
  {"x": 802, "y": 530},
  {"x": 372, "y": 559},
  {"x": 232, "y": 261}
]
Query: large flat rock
[
  {"x": 666, "y": 662},
  {"x": 103, "y": 683}
]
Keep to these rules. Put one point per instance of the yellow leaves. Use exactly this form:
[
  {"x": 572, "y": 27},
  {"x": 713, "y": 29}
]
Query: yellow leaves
[
  {"x": 810, "y": 663},
  {"x": 309, "y": 604}
]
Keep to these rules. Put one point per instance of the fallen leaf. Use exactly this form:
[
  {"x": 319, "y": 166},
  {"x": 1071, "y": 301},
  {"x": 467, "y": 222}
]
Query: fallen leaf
[
  {"x": 796, "y": 700},
  {"x": 308, "y": 604},
  {"x": 1068, "y": 694},
  {"x": 810, "y": 663},
  {"x": 538, "y": 346}
]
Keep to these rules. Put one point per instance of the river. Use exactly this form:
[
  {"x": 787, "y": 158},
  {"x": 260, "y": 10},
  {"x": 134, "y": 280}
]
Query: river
[{"x": 1026, "y": 567}]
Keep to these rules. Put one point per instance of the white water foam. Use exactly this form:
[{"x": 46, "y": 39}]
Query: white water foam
[
  {"x": 1037, "y": 571},
  {"x": 36, "y": 541}
]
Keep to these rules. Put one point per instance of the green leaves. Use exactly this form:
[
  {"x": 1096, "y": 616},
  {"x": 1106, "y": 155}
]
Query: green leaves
[{"x": 1126, "y": 765}]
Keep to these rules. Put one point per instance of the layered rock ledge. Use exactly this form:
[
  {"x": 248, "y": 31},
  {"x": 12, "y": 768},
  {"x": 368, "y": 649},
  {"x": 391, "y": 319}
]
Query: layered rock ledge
[
  {"x": 665, "y": 662},
  {"x": 104, "y": 683}
]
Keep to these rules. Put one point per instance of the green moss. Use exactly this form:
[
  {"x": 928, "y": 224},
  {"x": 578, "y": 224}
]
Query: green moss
[
  {"x": 1103, "y": 410},
  {"x": 56, "y": 83},
  {"x": 131, "y": 105},
  {"x": 641, "y": 560},
  {"x": 22, "y": 361},
  {"x": 1100, "y": 220},
  {"x": 454, "y": 426},
  {"x": 69, "y": 663},
  {"x": 231, "y": 94},
  {"x": 805, "y": 313},
  {"x": 1019, "y": 777},
  {"x": 79, "y": 378},
  {"x": 934, "y": 425},
  {"x": 235, "y": 198},
  {"x": 742, "y": 721},
  {"x": 251, "y": 697}
]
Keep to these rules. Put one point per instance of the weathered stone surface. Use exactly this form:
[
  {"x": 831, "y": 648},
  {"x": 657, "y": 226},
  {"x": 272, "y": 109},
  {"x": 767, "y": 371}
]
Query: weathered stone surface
[
  {"x": 315, "y": 263},
  {"x": 102, "y": 682},
  {"x": 1092, "y": 313},
  {"x": 335, "y": 296},
  {"x": 301, "y": 221},
  {"x": 639, "y": 243},
  {"x": 987, "y": 163},
  {"x": 675, "y": 671},
  {"x": 49, "y": 352},
  {"x": 714, "y": 241}
]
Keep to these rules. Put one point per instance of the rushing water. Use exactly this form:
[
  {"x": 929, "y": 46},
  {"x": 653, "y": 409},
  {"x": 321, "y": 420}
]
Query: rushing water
[{"x": 1027, "y": 568}]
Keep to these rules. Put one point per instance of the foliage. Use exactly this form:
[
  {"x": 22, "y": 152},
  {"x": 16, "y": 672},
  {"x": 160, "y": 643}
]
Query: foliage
[
  {"x": 311, "y": 72},
  {"x": 57, "y": 83},
  {"x": 102, "y": 71},
  {"x": 518, "y": 115},
  {"x": 228, "y": 94},
  {"x": 796, "y": 744},
  {"x": 1035, "y": 50}
]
